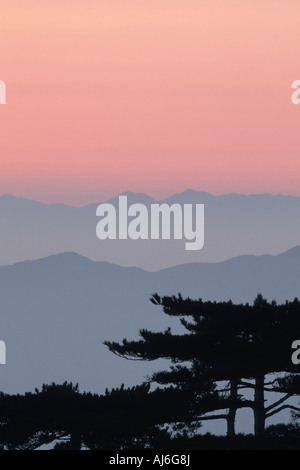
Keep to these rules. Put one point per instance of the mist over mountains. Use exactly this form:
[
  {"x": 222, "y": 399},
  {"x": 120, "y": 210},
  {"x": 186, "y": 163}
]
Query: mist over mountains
[
  {"x": 57, "y": 311},
  {"x": 234, "y": 225}
]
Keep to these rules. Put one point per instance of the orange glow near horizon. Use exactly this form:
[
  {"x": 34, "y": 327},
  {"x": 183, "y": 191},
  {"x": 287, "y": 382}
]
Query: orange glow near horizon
[{"x": 155, "y": 97}]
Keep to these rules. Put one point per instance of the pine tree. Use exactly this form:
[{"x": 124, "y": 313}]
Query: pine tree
[
  {"x": 122, "y": 418},
  {"x": 239, "y": 344}
]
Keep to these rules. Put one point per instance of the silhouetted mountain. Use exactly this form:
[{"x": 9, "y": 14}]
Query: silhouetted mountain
[{"x": 234, "y": 225}]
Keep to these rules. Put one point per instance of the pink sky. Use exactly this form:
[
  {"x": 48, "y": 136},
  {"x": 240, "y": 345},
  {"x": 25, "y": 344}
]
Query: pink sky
[{"x": 150, "y": 96}]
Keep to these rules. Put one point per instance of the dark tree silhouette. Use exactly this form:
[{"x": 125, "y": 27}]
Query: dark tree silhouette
[
  {"x": 122, "y": 418},
  {"x": 225, "y": 350},
  {"x": 33, "y": 419},
  {"x": 239, "y": 344}
]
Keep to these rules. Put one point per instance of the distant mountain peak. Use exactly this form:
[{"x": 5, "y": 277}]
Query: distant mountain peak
[
  {"x": 194, "y": 191},
  {"x": 8, "y": 196},
  {"x": 68, "y": 257},
  {"x": 188, "y": 193}
]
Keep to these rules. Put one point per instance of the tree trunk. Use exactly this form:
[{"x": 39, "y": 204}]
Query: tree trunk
[
  {"x": 75, "y": 441},
  {"x": 232, "y": 409},
  {"x": 259, "y": 406}
]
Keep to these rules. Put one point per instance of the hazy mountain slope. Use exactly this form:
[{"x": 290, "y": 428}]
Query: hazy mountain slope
[
  {"x": 57, "y": 311},
  {"x": 234, "y": 225}
]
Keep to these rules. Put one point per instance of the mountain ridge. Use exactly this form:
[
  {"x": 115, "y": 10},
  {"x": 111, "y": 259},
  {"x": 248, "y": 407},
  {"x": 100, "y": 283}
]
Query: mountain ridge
[
  {"x": 74, "y": 255},
  {"x": 186, "y": 192},
  {"x": 234, "y": 225}
]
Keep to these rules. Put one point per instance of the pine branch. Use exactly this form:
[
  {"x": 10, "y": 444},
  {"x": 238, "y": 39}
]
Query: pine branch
[
  {"x": 284, "y": 407},
  {"x": 246, "y": 384},
  {"x": 272, "y": 382},
  {"x": 206, "y": 418},
  {"x": 274, "y": 389},
  {"x": 278, "y": 402},
  {"x": 128, "y": 357}
]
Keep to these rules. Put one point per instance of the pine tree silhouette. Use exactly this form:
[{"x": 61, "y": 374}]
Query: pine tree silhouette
[{"x": 224, "y": 342}]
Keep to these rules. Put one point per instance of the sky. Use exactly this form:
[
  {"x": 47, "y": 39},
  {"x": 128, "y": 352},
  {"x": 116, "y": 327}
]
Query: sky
[{"x": 107, "y": 96}]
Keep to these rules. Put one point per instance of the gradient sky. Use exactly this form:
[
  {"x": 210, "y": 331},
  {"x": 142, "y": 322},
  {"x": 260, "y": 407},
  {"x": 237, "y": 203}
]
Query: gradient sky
[{"x": 152, "y": 96}]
